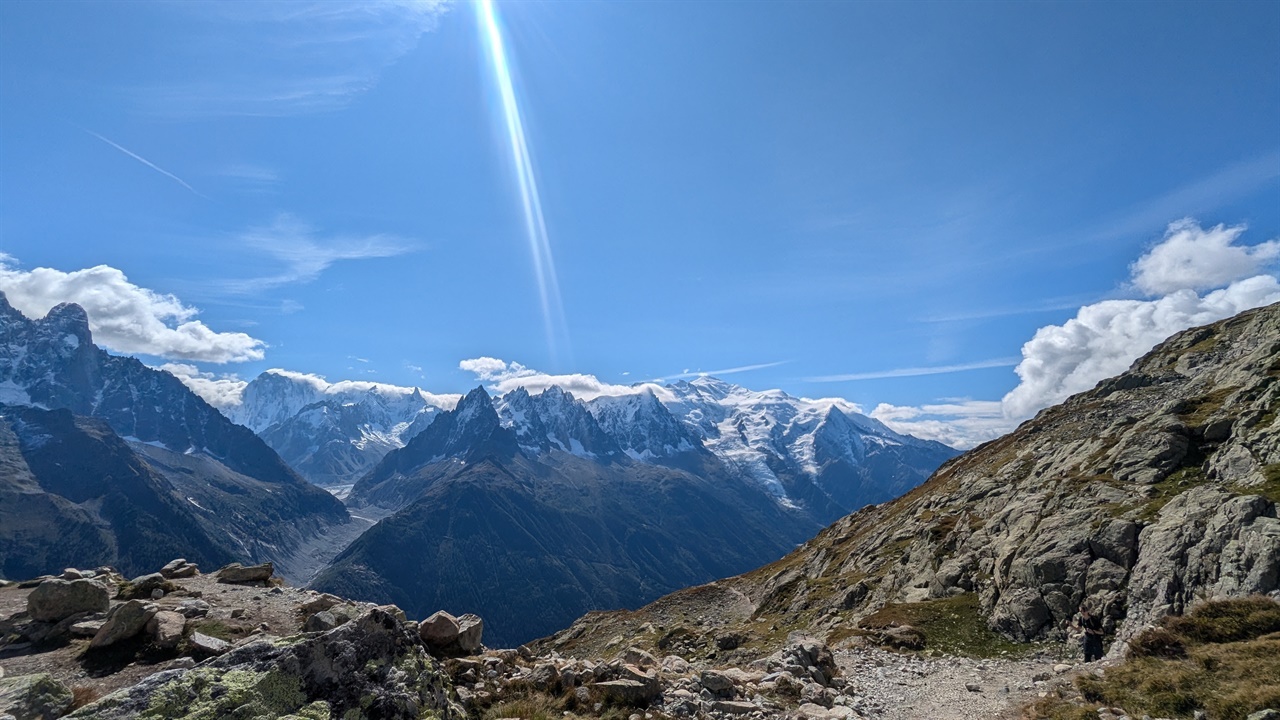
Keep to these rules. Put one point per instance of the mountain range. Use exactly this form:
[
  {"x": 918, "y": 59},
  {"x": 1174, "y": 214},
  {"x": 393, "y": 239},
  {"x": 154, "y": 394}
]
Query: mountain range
[{"x": 135, "y": 461}]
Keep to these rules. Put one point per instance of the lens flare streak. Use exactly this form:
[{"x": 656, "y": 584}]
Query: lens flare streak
[{"x": 535, "y": 224}]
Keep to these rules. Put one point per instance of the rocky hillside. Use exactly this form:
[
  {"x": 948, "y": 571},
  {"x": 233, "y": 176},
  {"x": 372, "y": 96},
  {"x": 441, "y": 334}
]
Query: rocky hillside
[{"x": 1153, "y": 490}]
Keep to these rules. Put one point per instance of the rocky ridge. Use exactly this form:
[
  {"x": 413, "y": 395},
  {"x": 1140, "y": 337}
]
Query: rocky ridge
[{"x": 1151, "y": 491}]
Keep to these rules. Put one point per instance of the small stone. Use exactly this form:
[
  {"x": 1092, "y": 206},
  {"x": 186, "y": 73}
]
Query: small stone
[
  {"x": 973, "y": 688},
  {"x": 237, "y": 613},
  {"x": 193, "y": 608},
  {"x": 208, "y": 645},
  {"x": 157, "y": 593},
  {"x": 1061, "y": 668}
]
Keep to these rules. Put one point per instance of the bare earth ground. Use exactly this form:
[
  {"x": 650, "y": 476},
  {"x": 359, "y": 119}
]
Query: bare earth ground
[{"x": 904, "y": 687}]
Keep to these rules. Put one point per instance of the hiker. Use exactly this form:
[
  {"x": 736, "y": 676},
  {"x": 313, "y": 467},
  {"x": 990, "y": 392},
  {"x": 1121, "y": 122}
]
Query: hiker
[{"x": 1092, "y": 627}]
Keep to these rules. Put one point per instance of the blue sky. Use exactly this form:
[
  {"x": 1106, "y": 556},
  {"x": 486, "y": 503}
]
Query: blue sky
[{"x": 830, "y": 190}]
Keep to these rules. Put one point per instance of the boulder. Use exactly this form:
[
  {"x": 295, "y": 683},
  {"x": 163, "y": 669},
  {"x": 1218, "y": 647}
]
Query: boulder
[
  {"x": 193, "y": 608},
  {"x": 470, "y": 630},
  {"x": 123, "y": 622},
  {"x": 178, "y": 569},
  {"x": 903, "y": 637},
  {"x": 27, "y": 697},
  {"x": 636, "y": 656},
  {"x": 86, "y": 628},
  {"x": 440, "y": 630},
  {"x": 144, "y": 586},
  {"x": 626, "y": 692},
  {"x": 55, "y": 600},
  {"x": 322, "y": 621},
  {"x": 734, "y": 707},
  {"x": 166, "y": 628},
  {"x": 716, "y": 682},
  {"x": 545, "y": 677},
  {"x": 237, "y": 574}
]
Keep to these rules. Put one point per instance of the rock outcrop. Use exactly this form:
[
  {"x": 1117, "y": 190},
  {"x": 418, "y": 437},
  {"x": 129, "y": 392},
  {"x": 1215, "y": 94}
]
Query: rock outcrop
[{"x": 373, "y": 666}]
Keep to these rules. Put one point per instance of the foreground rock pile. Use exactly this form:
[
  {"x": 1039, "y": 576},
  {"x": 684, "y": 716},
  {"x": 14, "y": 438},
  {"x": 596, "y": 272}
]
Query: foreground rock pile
[{"x": 234, "y": 644}]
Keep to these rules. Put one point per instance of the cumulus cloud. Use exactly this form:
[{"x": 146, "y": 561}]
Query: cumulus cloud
[
  {"x": 124, "y": 317},
  {"x": 1192, "y": 258},
  {"x": 1105, "y": 338},
  {"x": 221, "y": 391},
  {"x": 961, "y": 424},
  {"x": 503, "y": 377}
]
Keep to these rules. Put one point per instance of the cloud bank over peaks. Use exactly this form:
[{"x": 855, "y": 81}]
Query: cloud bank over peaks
[
  {"x": 124, "y": 317},
  {"x": 1104, "y": 338},
  {"x": 221, "y": 391},
  {"x": 503, "y": 377}
]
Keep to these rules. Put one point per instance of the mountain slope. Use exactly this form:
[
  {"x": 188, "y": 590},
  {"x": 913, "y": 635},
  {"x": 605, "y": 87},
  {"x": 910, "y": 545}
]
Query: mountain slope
[
  {"x": 264, "y": 510},
  {"x": 71, "y": 491},
  {"x": 529, "y": 535},
  {"x": 1154, "y": 489}
]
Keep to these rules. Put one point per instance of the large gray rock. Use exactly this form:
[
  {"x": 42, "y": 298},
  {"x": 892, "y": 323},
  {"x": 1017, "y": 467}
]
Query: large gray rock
[
  {"x": 34, "y": 697},
  {"x": 123, "y": 622},
  {"x": 626, "y": 692},
  {"x": 440, "y": 630},
  {"x": 55, "y": 600},
  {"x": 371, "y": 667},
  {"x": 238, "y": 574},
  {"x": 166, "y": 628},
  {"x": 470, "y": 630}
]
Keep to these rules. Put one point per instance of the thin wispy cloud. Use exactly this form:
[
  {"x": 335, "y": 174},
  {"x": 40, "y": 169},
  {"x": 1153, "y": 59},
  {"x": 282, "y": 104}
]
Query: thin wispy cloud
[
  {"x": 148, "y": 163},
  {"x": 277, "y": 59},
  {"x": 917, "y": 371},
  {"x": 723, "y": 371},
  {"x": 1200, "y": 196},
  {"x": 303, "y": 256},
  {"x": 1002, "y": 312}
]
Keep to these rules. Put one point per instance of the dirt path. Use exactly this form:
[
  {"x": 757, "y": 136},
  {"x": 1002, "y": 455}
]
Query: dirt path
[{"x": 890, "y": 686}]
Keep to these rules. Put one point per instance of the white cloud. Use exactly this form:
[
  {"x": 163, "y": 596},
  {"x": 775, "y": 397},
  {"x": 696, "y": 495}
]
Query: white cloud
[
  {"x": 220, "y": 391},
  {"x": 1191, "y": 258},
  {"x": 124, "y": 317},
  {"x": 303, "y": 256},
  {"x": 322, "y": 386},
  {"x": 961, "y": 424},
  {"x": 722, "y": 371},
  {"x": 503, "y": 377},
  {"x": 1105, "y": 338},
  {"x": 147, "y": 162},
  {"x": 487, "y": 369}
]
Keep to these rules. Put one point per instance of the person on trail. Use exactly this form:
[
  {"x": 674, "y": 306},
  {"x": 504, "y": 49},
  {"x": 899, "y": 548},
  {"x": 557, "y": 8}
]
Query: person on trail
[{"x": 1092, "y": 626}]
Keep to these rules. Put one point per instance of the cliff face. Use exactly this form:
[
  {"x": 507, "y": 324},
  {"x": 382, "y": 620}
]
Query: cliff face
[{"x": 1154, "y": 489}]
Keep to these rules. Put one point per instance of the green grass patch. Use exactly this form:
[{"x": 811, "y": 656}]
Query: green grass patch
[
  {"x": 1200, "y": 409},
  {"x": 1223, "y": 659},
  {"x": 1167, "y": 489},
  {"x": 954, "y": 625}
]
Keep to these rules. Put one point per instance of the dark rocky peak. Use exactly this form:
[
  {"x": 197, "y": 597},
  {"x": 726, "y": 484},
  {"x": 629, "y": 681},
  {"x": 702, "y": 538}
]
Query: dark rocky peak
[{"x": 555, "y": 420}]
